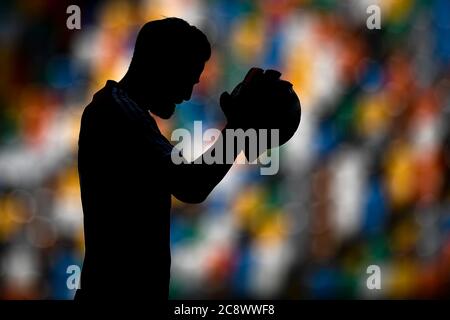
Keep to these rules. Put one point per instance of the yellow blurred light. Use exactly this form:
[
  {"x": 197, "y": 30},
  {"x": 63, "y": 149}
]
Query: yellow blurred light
[
  {"x": 404, "y": 237},
  {"x": 272, "y": 229},
  {"x": 301, "y": 72},
  {"x": 402, "y": 282},
  {"x": 68, "y": 183},
  {"x": 248, "y": 204},
  {"x": 400, "y": 175},
  {"x": 248, "y": 39},
  {"x": 16, "y": 210},
  {"x": 372, "y": 115},
  {"x": 396, "y": 10},
  {"x": 9, "y": 224},
  {"x": 117, "y": 15}
]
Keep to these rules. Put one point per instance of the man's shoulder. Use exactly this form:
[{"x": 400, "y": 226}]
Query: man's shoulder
[{"x": 103, "y": 107}]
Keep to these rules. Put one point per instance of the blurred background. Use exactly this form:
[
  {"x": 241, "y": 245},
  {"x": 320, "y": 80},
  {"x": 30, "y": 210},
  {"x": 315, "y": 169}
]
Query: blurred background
[{"x": 365, "y": 180}]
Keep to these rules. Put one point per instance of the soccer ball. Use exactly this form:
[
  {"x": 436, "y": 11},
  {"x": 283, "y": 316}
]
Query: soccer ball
[{"x": 263, "y": 101}]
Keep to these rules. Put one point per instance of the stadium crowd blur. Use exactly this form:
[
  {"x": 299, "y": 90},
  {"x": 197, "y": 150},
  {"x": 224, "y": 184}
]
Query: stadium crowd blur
[{"x": 364, "y": 181}]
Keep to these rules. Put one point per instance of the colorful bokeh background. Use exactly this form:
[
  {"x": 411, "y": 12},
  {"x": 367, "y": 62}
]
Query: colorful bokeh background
[{"x": 365, "y": 181}]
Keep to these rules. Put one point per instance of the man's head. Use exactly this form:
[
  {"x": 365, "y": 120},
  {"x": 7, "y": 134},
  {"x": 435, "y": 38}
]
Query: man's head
[{"x": 168, "y": 58}]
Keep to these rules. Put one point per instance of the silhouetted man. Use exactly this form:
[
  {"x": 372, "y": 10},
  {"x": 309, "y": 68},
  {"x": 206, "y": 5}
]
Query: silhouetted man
[
  {"x": 126, "y": 171},
  {"x": 125, "y": 168}
]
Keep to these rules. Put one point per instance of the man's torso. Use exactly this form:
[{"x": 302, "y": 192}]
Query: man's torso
[{"x": 126, "y": 203}]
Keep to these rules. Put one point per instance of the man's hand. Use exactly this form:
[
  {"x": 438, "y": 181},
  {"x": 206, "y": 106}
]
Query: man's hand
[{"x": 263, "y": 101}]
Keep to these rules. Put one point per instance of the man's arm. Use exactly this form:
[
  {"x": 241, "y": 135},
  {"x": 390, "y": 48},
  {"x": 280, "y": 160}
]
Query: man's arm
[
  {"x": 193, "y": 182},
  {"x": 249, "y": 106}
]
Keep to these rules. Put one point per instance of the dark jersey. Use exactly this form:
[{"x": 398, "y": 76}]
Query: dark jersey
[{"x": 122, "y": 162}]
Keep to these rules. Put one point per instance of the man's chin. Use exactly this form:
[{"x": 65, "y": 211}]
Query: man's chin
[{"x": 164, "y": 111}]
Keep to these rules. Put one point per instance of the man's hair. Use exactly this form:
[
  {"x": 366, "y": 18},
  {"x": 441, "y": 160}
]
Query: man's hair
[{"x": 169, "y": 40}]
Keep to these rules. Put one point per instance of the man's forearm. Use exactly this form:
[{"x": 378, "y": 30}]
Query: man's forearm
[{"x": 192, "y": 182}]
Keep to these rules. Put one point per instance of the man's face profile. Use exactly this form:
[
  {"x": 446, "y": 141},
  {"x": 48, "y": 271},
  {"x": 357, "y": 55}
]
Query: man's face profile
[{"x": 174, "y": 86}]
